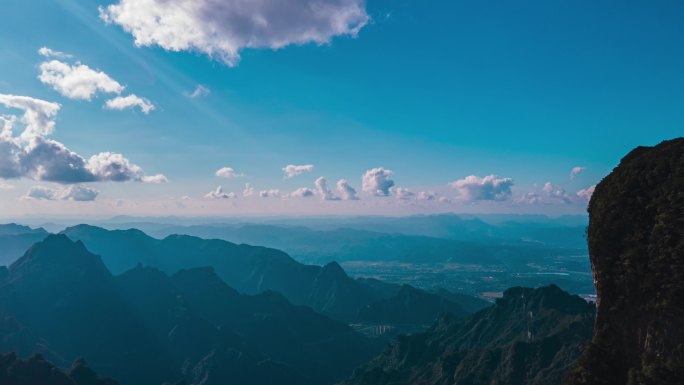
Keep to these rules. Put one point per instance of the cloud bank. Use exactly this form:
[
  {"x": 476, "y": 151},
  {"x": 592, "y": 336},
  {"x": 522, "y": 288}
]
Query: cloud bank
[
  {"x": 74, "y": 193},
  {"x": 35, "y": 156},
  {"x": 221, "y": 29}
]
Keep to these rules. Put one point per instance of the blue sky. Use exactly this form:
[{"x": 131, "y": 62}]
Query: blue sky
[{"x": 434, "y": 91}]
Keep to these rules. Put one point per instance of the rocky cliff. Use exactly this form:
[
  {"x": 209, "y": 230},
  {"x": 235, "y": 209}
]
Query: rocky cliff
[{"x": 636, "y": 245}]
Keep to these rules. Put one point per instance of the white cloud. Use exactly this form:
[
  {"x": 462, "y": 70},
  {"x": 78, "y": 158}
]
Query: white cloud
[
  {"x": 47, "y": 52},
  {"x": 489, "y": 188},
  {"x": 402, "y": 193},
  {"x": 322, "y": 189},
  {"x": 549, "y": 194},
  {"x": 219, "y": 194},
  {"x": 74, "y": 193},
  {"x": 347, "y": 192},
  {"x": 77, "y": 81},
  {"x": 33, "y": 155},
  {"x": 426, "y": 196},
  {"x": 586, "y": 193},
  {"x": 376, "y": 181},
  {"x": 199, "y": 91},
  {"x": 38, "y": 115},
  {"x": 130, "y": 101},
  {"x": 221, "y": 29},
  {"x": 272, "y": 193},
  {"x": 302, "y": 192},
  {"x": 576, "y": 171},
  {"x": 292, "y": 170},
  {"x": 6, "y": 186},
  {"x": 248, "y": 191},
  {"x": 227, "y": 172}
]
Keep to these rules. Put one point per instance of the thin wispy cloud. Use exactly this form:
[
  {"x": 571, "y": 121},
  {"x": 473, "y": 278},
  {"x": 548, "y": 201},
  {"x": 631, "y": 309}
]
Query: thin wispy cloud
[
  {"x": 199, "y": 91},
  {"x": 74, "y": 193},
  {"x": 129, "y": 102},
  {"x": 576, "y": 171}
]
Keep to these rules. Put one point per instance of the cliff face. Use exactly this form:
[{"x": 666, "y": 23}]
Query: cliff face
[{"x": 636, "y": 245}]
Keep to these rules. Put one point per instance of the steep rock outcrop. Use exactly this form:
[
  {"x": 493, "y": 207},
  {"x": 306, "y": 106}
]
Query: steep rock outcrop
[{"x": 636, "y": 245}]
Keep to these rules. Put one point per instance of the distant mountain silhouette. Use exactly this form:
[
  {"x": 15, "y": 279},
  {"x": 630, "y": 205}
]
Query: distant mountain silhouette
[
  {"x": 37, "y": 371},
  {"x": 418, "y": 239},
  {"x": 248, "y": 269},
  {"x": 16, "y": 239},
  {"x": 531, "y": 336},
  {"x": 636, "y": 246}
]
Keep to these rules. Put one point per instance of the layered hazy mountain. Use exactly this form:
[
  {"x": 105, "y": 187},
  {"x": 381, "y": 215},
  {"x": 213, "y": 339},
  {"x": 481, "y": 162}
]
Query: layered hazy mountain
[
  {"x": 16, "y": 239},
  {"x": 146, "y": 327},
  {"x": 251, "y": 270},
  {"x": 530, "y": 336},
  {"x": 449, "y": 251}
]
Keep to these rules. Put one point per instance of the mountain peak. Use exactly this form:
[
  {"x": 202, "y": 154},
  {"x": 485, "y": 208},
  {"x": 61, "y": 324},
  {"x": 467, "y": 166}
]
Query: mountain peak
[{"x": 58, "y": 258}]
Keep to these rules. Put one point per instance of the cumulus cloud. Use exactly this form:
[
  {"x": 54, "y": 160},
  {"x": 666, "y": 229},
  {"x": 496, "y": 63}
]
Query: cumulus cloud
[
  {"x": 586, "y": 193},
  {"x": 376, "y": 181},
  {"x": 576, "y": 171},
  {"x": 347, "y": 192},
  {"x": 248, "y": 191},
  {"x": 227, "y": 172},
  {"x": 38, "y": 115},
  {"x": 402, "y": 193},
  {"x": 74, "y": 193},
  {"x": 272, "y": 193},
  {"x": 77, "y": 81},
  {"x": 130, "y": 101},
  {"x": 221, "y": 29},
  {"x": 33, "y": 155},
  {"x": 549, "y": 194},
  {"x": 302, "y": 192},
  {"x": 490, "y": 188},
  {"x": 199, "y": 91},
  {"x": 292, "y": 170},
  {"x": 323, "y": 191},
  {"x": 220, "y": 194}
]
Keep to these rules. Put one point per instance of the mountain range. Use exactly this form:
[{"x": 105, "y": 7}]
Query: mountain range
[{"x": 530, "y": 336}]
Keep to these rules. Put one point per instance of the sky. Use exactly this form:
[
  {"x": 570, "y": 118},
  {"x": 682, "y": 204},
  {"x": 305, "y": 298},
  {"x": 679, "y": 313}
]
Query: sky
[{"x": 317, "y": 107}]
